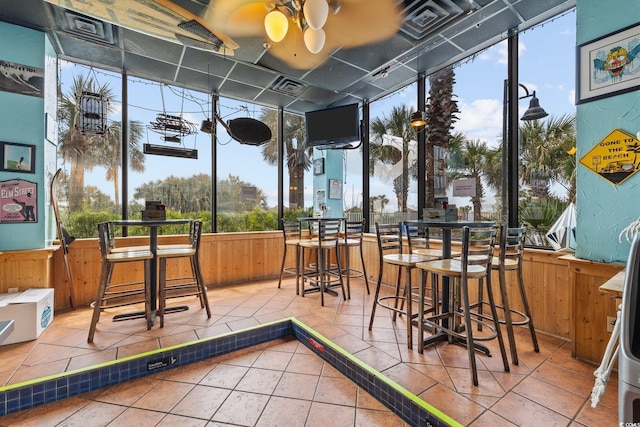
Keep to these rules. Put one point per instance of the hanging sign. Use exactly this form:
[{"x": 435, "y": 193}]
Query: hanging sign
[
  {"x": 465, "y": 187},
  {"x": 615, "y": 158},
  {"x": 18, "y": 201}
]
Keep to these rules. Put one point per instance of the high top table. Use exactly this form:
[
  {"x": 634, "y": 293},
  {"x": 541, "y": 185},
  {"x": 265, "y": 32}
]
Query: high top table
[
  {"x": 153, "y": 226},
  {"x": 447, "y": 227}
]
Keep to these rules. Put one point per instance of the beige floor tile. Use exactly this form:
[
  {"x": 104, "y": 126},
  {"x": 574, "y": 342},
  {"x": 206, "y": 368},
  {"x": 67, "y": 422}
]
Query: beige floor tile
[
  {"x": 201, "y": 402},
  {"x": 163, "y": 396},
  {"x": 297, "y": 386},
  {"x": 241, "y": 408},
  {"x": 526, "y": 413},
  {"x": 339, "y": 391},
  {"x": 94, "y": 414},
  {"x": 327, "y": 415},
  {"x": 138, "y": 417},
  {"x": 282, "y": 411}
]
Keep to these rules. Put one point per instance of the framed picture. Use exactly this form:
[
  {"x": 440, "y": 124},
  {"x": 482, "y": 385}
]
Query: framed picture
[
  {"x": 18, "y": 201},
  {"x": 318, "y": 166},
  {"x": 16, "y": 157},
  {"x": 335, "y": 189},
  {"x": 609, "y": 65}
]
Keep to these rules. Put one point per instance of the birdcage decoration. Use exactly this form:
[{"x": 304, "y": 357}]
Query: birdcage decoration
[{"x": 93, "y": 113}]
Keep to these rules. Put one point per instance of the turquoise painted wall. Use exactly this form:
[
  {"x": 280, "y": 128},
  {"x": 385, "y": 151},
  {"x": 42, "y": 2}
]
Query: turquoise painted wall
[
  {"x": 333, "y": 170},
  {"x": 603, "y": 209},
  {"x": 22, "y": 120}
]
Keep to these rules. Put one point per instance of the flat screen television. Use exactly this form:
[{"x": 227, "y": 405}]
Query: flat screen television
[{"x": 333, "y": 127}]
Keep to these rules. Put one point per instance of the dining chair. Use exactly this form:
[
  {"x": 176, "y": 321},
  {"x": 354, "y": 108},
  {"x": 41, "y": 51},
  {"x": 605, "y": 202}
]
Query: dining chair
[
  {"x": 390, "y": 252},
  {"x": 509, "y": 259},
  {"x": 182, "y": 286},
  {"x": 353, "y": 234},
  {"x": 473, "y": 264},
  {"x": 326, "y": 275},
  {"x": 111, "y": 295}
]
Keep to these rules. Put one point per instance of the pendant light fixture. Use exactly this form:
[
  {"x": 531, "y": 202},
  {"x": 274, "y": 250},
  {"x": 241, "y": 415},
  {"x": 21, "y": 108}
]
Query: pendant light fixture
[{"x": 309, "y": 15}]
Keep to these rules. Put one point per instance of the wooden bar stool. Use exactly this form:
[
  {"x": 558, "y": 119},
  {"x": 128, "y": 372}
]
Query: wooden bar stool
[
  {"x": 353, "y": 232},
  {"x": 120, "y": 294},
  {"x": 325, "y": 277},
  {"x": 475, "y": 263},
  {"x": 390, "y": 252},
  {"x": 510, "y": 254},
  {"x": 182, "y": 286},
  {"x": 292, "y": 233}
]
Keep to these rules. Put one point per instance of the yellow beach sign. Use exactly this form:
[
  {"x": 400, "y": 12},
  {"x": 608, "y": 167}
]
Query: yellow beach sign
[{"x": 615, "y": 158}]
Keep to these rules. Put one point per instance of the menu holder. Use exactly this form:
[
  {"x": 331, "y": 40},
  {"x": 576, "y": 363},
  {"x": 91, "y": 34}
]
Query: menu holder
[{"x": 154, "y": 210}]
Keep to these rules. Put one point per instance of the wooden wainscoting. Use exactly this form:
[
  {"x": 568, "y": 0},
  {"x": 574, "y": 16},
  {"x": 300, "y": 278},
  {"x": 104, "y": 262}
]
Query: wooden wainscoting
[
  {"x": 563, "y": 291},
  {"x": 27, "y": 269}
]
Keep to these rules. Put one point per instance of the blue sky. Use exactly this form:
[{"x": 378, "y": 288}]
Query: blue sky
[{"x": 547, "y": 65}]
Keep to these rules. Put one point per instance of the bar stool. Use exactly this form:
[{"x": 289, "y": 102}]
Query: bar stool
[
  {"x": 292, "y": 233},
  {"x": 475, "y": 263},
  {"x": 510, "y": 254},
  {"x": 390, "y": 252},
  {"x": 175, "y": 287},
  {"x": 325, "y": 277},
  {"x": 353, "y": 232},
  {"x": 112, "y": 295}
]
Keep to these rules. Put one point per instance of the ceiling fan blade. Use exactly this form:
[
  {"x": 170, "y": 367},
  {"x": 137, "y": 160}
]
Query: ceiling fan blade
[
  {"x": 361, "y": 22},
  {"x": 240, "y": 18}
]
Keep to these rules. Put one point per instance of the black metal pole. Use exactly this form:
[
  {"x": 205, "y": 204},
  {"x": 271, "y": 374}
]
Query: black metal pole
[
  {"x": 513, "y": 129},
  {"x": 124, "y": 136},
  {"x": 422, "y": 149},
  {"x": 214, "y": 163},
  {"x": 280, "y": 153},
  {"x": 505, "y": 138},
  {"x": 365, "y": 166}
]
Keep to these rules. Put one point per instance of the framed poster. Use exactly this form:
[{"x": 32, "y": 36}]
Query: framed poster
[
  {"x": 18, "y": 201},
  {"x": 335, "y": 189},
  {"x": 318, "y": 166},
  {"x": 17, "y": 157},
  {"x": 609, "y": 65}
]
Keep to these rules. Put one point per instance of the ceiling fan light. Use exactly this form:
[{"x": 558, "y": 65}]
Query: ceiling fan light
[
  {"x": 276, "y": 24},
  {"x": 314, "y": 39},
  {"x": 316, "y": 13}
]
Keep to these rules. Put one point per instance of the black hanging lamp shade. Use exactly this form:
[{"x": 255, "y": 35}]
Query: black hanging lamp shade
[
  {"x": 417, "y": 119},
  {"x": 534, "y": 111}
]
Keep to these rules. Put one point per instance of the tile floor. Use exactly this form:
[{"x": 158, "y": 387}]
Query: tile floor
[{"x": 283, "y": 383}]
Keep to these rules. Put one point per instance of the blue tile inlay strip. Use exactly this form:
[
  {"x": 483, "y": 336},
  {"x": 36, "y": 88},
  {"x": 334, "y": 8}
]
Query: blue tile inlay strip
[{"x": 30, "y": 394}]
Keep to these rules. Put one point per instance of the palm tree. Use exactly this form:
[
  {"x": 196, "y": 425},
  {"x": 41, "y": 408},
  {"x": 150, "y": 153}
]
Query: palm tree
[
  {"x": 545, "y": 158},
  {"x": 298, "y": 155},
  {"x": 441, "y": 114},
  {"x": 82, "y": 151},
  {"x": 396, "y": 124},
  {"x": 111, "y": 153},
  {"x": 468, "y": 158}
]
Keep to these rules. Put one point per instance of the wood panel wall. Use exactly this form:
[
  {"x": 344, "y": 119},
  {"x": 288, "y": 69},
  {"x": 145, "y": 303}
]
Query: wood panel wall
[{"x": 563, "y": 291}]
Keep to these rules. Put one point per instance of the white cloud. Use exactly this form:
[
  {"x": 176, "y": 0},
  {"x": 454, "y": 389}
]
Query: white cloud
[
  {"x": 503, "y": 51},
  {"x": 480, "y": 119}
]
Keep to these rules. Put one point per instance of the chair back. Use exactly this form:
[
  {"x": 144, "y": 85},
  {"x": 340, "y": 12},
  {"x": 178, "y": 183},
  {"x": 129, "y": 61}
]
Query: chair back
[
  {"x": 478, "y": 244},
  {"x": 105, "y": 238},
  {"x": 291, "y": 230},
  {"x": 511, "y": 244},
  {"x": 353, "y": 230},
  {"x": 389, "y": 239},
  {"x": 417, "y": 237},
  {"x": 329, "y": 232},
  {"x": 195, "y": 233}
]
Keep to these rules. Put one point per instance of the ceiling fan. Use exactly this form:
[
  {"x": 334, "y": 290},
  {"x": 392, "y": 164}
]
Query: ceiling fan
[{"x": 302, "y": 33}]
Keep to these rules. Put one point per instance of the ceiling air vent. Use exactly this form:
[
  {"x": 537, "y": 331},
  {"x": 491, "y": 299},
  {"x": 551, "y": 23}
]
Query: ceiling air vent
[
  {"x": 288, "y": 86},
  {"x": 86, "y": 27},
  {"x": 424, "y": 18}
]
